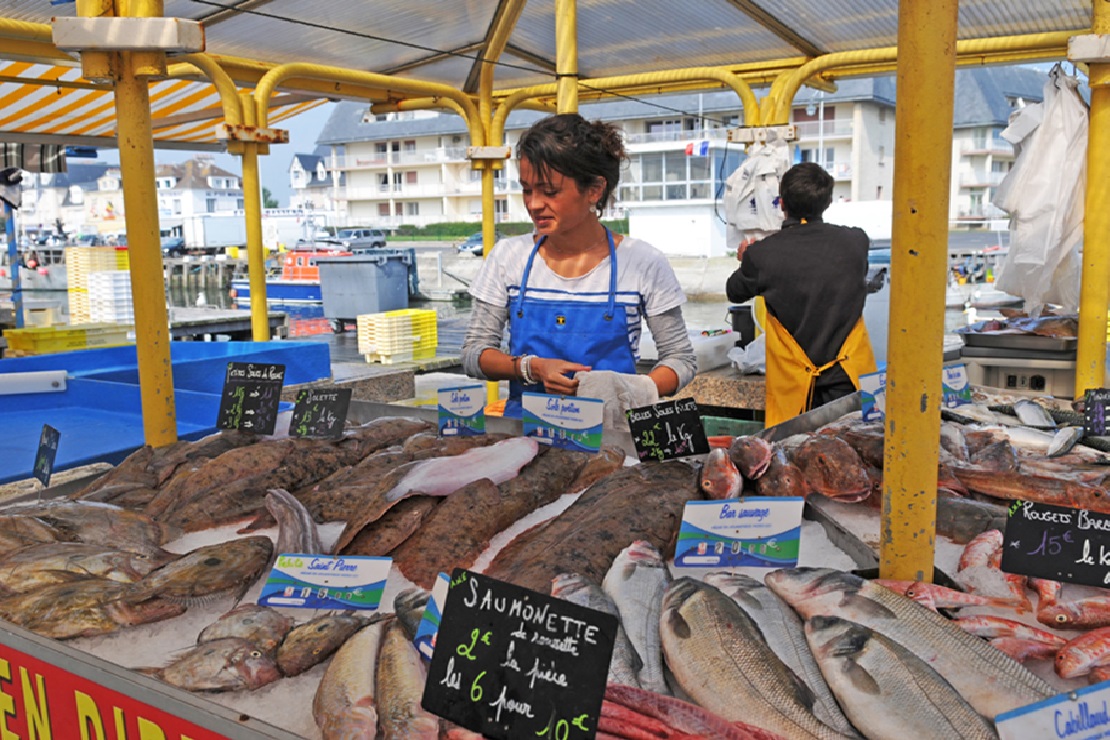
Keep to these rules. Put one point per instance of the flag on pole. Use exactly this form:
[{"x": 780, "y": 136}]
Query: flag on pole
[{"x": 700, "y": 148}]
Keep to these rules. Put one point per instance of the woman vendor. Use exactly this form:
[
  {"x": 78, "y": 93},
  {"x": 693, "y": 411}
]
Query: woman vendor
[{"x": 573, "y": 293}]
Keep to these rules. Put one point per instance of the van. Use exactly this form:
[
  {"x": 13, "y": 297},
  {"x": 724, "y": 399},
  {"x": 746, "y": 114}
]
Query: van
[{"x": 355, "y": 239}]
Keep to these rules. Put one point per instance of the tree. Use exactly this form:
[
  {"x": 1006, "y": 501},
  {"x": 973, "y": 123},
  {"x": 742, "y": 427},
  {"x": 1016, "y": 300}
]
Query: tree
[{"x": 268, "y": 200}]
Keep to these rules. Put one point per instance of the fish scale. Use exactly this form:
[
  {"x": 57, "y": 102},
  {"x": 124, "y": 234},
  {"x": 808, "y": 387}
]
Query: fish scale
[
  {"x": 991, "y": 682},
  {"x": 784, "y": 632},
  {"x": 888, "y": 692},
  {"x": 720, "y": 659}
]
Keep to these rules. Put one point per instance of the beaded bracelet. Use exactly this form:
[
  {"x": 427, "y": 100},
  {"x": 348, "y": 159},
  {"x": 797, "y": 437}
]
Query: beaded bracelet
[{"x": 526, "y": 370}]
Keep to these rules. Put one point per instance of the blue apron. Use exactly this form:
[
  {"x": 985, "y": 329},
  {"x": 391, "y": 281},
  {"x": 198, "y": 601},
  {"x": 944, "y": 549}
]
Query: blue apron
[{"x": 587, "y": 333}]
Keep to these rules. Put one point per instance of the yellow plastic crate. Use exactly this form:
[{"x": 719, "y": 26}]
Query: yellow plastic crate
[
  {"x": 403, "y": 335},
  {"x": 47, "y": 339}
]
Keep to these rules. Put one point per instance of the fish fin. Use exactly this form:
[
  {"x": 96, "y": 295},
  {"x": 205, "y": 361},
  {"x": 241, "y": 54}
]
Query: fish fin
[
  {"x": 151, "y": 671},
  {"x": 861, "y": 679},
  {"x": 678, "y": 625}
]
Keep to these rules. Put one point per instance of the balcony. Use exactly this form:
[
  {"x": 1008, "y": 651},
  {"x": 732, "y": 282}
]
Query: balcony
[
  {"x": 829, "y": 129},
  {"x": 839, "y": 170},
  {"x": 676, "y": 137},
  {"x": 981, "y": 179},
  {"x": 983, "y": 147},
  {"x": 378, "y": 160}
]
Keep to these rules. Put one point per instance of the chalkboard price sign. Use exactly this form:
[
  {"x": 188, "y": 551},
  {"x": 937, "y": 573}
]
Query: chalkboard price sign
[
  {"x": 250, "y": 397},
  {"x": 1095, "y": 404},
  {"x": 1057, "y": 543},
  {"x": 320, "y": 412},
  {"x": 514, "y": 663},
  {"x": 44, "y": 457},
  {"x": 668, "y": 430}
]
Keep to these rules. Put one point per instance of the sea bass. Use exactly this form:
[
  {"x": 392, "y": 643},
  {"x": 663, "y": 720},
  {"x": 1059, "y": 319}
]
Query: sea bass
[
  {"x": 314, "y": 641},
  {"x": 720, "y": 659},
  {"x": 887, "y": 691},
  {"x": 989, "y": 680},
  {"x": 210, "y": 571},
  {"x": 625, "y": 664},
  {"x": 636, "y": 583},
  {"x": 227, "y": 664},
  {"x": 343, "y": 705},
  {"x": 785, "y": 634}
]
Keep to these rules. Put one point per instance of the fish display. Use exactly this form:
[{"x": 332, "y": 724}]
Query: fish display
[
  {"x": 226, "y": 664},
  {"x": 888, "y": 692},
  {"x": 636, "y": 584},
  {"x": 639, "y": 502},
  {"x": 720, "y": 659},
  {"x": 784, "y": 633},
  {"x": 987, "y": 679}
]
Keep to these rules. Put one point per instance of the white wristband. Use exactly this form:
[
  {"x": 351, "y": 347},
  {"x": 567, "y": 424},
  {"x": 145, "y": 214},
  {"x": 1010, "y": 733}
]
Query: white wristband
[{"x": 526, "y": 370}]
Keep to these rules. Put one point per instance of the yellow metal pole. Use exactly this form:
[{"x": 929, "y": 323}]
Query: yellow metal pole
[
  {"x": 566, "y": 55},
  {"x": 252, "y": 208},
  {"x": 1090, "y": 361},
  {"x": 136, "y": 158},
  {"x": 919, "y": 254}
]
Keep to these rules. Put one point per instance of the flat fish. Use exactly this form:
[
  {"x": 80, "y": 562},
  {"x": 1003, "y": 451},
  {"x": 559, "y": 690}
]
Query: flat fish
[
  {"x": 639, "y": 502},
  {"x": 381, "y": 536}
]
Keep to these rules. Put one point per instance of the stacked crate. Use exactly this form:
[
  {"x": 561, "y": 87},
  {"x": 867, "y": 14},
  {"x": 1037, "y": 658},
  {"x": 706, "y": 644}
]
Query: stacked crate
[
  {"x": 404, "y": 335},
  {"x": 81, "y": 263},
  {"x": 110, "y": 297},
  {"x": 41, "y": 340}
]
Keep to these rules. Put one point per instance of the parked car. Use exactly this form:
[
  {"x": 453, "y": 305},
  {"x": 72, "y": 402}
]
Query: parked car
[
  {"x": 173, "y": 246},
  {"x": 474, "y": 243},
  {"x": 356, "y": 239}
]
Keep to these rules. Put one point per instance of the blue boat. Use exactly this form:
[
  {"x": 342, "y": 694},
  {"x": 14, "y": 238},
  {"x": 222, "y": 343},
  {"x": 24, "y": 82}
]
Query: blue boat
[{"x": 298, "y": 282}]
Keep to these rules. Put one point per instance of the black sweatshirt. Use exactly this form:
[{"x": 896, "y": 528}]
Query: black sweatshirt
[{"x": 813, "y": 278}]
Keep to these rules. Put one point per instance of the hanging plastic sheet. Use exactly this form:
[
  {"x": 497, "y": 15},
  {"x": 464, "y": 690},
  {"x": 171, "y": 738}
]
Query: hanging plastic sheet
[
  {"x": 751, "y": 200},
  {"x": 1044, "y": 195}
]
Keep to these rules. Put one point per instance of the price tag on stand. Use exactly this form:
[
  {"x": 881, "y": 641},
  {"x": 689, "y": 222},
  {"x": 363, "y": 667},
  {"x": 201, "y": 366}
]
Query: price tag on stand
[
  {"x": 513, "y": 663},
  {"x": 1095, "y": 404},
  {"x": 309, "y": 581},
  {"x": 570, "y": 422},
  {"x": 250, "y": 397},
  {"x": 1057, "y": 543},
  {"x": 46, "y": 454},
  {"x": 668, "y": 430},
  {"x": 462, "y": 411},
  {"x": 320, "y": 412},
  {"x": 756, "y": 534},
  {"x": 1077, "y": 715}
]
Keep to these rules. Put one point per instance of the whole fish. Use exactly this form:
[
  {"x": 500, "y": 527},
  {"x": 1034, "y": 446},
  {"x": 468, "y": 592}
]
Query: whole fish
[
  {"x": 99, "y": 524},
  {"x": 782, "y": 478},
  {"x": 639, "y": 713},
  {"x": 751, "y": 455},
  {"x": 1032, "y": 414},
  {"x": 297, "y": 531},
  {"x": 409, "y": 605},
  {"x": 979, "y": 551},
  {"x": 441, "y": 476},
  {"x": 625, "y": 664},
  {"x": 1022, "y": 650},
  {"x": 636, "y": 583},
  {"x": 962, "y": 519},
  {"x": 398, "y": 688},
  {"x": 1048, "y": 592},
  {"x": 261, "y": 626},
  {"x": 989, "y": 680},
  {"x": 343, "y": 705},
  {"x": 210, "y": 571},
  {"x": 17, "y": 532},
  {"x": 832, "y": 468},
  {"x": 719, "y": 478},
  {"x": 61, "y": 562},
  {"x": 1085, "y": 613},
  {"x": 314, "y": 641},
  {"x": 990, "y": 626},
  {"x": 227, "y": 664},
  {"x": 84, "y": 608},
  {"x": 888, "y": 692},
  {"x": 785, "y": 634},
  {"x": 720, "y": 659},
  {"x": 936, "y": 597}
]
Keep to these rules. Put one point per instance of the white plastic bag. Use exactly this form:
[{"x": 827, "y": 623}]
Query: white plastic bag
[
  {"x": 752, "y": 358},
  {"x": 751, "y": 199},
  {"x": 1044, "y": 195}
]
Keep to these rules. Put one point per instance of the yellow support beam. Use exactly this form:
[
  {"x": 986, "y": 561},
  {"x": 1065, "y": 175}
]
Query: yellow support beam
[
  {"x": 566, "y": 55},
  {"x": 1090, "y": 360},
  {"x": 919, "y": 258},
  {"x": 252, "y": 213}
]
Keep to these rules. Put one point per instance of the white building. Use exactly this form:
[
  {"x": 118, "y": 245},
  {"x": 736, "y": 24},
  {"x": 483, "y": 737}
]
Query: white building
[{"x": 410, "y": 168}]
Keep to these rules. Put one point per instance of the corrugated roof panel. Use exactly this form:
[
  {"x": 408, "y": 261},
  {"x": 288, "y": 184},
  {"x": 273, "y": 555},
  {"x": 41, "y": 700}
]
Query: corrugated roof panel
[
  {"x": 840, "y": 25},
  {"x": 989, "y": 18}
]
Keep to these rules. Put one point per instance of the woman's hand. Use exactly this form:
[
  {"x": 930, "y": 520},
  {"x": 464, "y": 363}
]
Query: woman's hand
[{"x": 557, "y": 375}]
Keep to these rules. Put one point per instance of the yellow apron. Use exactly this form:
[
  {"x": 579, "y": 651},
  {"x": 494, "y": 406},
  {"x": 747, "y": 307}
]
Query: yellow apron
[{"x": 791, "y": 375}]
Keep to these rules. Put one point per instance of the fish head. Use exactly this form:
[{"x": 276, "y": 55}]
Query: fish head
[
  {"x": 1071, "y": 662},
  {"x": 411, "y": 599},
  {"x": 720, "y": 478},
  {"x": 833, "y": 468},
  {"x": 1062, "y": 615},
  {"x": 254, "y": 667},
  {"x": 751, "y": 455},
  {"x": 644, "y": 553},
  {"x": 211, "y": 569},
  {"x": 679, "y": 592}
]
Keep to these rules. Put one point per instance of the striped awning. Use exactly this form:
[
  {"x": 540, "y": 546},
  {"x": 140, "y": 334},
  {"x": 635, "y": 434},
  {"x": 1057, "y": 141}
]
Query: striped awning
[{"x": 54, "y": 104}]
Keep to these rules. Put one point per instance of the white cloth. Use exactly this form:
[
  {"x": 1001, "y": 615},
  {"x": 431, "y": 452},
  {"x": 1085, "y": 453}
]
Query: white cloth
[
  {"x": 646, "y": 283},
  {"x": 751, "y": 200},
  {"x": 621, "y": 392}
]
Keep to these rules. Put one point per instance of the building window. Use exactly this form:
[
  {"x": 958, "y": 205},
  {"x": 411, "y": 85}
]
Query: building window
[
  {"x": 397, "y": 182},
  {"x": 177, "y": 206},
  {"x": 239, "y": 204},
  {"x": 383, "y": 209},
  {"x": 882, "y": 115},
  {"x": 210, "y": 205},
  {"x": 410, "y": 146},
  {"x": 383, "y": 182},
  {"x": 410, "y": 178},
  {"x": 882, "y": 156},
  {"x": 501, "y": 206},
  {"x": 412, "y": 209}
]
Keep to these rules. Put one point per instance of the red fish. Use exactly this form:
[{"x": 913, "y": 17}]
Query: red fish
[
  {"x": 978, "y": 552},
  {"x": 1080, "y": 614},
  {"x": 1078, "y": 656},
  {"x": 990, "y": 626},
  {"x": 1023, "y": 650},
  {"x": 751, "y": 455},
  {"x": 719, "y": 477}
]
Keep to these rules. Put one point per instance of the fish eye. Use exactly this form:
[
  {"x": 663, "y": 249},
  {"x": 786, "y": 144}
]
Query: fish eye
[
  {"x": 1062, "y": 618},
  {"x": 256, "y": 653},
  {"x": 212, "y": 561}
]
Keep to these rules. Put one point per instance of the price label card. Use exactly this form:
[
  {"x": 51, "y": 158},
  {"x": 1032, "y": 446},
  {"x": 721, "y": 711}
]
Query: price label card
[
  {"x": 311, "y": 581},
  {"x": 757, "y": 532},
  {"x": 955, "y": 391},
  {"x": 1082, "y": 714},
  {"x": 46, "y": 453},
  {"x": 250, "y": 397},
  {"x": 428, "y": 629},
  {"x": 462, "y": 411},
  {"x": 1057, "y": 543},
  {"x": 1095, "y": 403},
  {"x": 668, "y": 430},
  {"x": 320, "y": 412},
  {"x": 569, "y": 422},
  {"x": 514, "y": 663}
]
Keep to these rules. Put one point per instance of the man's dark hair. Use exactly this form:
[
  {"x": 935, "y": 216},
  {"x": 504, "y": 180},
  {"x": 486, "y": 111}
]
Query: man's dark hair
[{"x": 806, "y": 190}]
